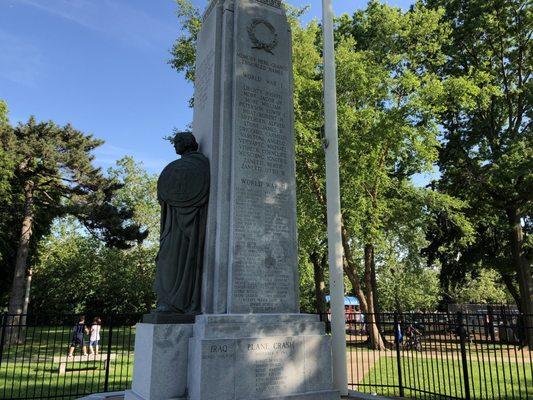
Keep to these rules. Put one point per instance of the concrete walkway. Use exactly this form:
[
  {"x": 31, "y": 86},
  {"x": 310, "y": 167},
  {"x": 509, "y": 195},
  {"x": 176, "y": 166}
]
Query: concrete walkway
[{"x": 353, "y": 395}]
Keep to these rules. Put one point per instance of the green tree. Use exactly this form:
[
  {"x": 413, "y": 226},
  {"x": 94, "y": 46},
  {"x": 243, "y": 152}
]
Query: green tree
[
  {"x": 405, "y": 281},
  {"x": 408, "y": 288},
  {"x": 6, "y": 171},
  {"x": 76, "y": 272},
  {"x": 6, "y": 168},
  {"x": 3, "y": 112},
  {"x": 6, "y": 159},
  {"x": 486, "y": 158},
  {"x": 387, "y": 108},
  {"x": 312, "y": 223},
  {"x": 184, "y": 48},
  {"x": 54, "y": 176},
  {"x": 485, "y": 288},
  {"x": 138, "y": 193}
]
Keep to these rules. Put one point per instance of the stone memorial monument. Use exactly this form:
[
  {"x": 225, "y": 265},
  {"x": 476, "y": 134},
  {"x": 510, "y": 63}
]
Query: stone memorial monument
[{"x": 250, "y": 341}]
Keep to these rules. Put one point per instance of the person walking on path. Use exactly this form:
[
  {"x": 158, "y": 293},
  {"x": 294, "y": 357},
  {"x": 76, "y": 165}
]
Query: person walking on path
[
  {"x": 78, "y": 333},
  {"x": 94, "y": 338},
  {"x": 488, "y": 325}
]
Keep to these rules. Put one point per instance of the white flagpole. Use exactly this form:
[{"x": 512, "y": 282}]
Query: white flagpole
[{"x": 336, "y": 278}]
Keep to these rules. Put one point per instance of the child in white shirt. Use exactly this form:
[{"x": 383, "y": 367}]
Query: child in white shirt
[{"x": 94, "y": 339}]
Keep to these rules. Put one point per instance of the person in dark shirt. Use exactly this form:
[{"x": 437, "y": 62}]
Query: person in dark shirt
[{"x": 78, "y": 333}]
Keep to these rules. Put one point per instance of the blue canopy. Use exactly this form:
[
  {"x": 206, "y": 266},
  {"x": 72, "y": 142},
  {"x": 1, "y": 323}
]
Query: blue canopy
[{"x": 348, "y": 300}]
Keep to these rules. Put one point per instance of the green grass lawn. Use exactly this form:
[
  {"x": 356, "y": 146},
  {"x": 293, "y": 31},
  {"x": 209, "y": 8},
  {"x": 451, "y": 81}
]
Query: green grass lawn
[
  {"x": 41, "y": 381},
  {"x": 28, "y": 371},
  {"x": 497, "y": 380}
]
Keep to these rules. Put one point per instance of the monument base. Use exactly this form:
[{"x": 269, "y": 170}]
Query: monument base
[
  {"x": 260, "y": 356},
  {"x": 160, "y": 366},
  {"x": 234, "y": 357}
]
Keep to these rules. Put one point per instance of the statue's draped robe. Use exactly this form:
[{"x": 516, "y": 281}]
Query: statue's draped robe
[{"x": 183, "y": 191}]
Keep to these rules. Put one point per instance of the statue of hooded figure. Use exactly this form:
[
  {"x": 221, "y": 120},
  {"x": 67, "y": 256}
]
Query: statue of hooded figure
[{"x": 183, "y": 192}]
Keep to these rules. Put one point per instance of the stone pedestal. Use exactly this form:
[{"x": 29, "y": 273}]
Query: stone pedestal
[
  {"x": 260, "y": 356},
  {"x": 161, "y": 357}
]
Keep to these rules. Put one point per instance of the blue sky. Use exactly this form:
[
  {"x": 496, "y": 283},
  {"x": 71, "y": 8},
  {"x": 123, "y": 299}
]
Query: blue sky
[{"x": 102, "y": 66}]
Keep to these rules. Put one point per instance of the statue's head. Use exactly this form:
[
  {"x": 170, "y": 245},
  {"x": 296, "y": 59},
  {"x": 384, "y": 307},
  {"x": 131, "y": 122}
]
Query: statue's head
[{"x": 184, "y": 142}]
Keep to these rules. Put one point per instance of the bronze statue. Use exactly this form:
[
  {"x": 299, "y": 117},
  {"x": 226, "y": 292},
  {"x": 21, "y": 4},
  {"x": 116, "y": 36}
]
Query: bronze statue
[{"x": 183, "y": 191}]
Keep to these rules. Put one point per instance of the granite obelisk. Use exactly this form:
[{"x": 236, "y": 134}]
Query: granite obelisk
[{"x": 243, "y": 120}]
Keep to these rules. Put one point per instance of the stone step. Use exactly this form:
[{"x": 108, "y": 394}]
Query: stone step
[
  {"x": 239, "y": 330},
  {"x": 252, "y": 318}
]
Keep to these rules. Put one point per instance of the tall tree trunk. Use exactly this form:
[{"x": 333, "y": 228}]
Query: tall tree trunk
[
  {"x": 376, "y": 341},
  {"x": 350, "y": 268},
  {"x": 377, "y": 308},
  {"x": 523, "y": 271},
  {"x": 27, "y": 292},
  {"x": 18, "y": 289},
  {"x": 509, "y": 282},
  {"x": 319, "y": 264},
  {"x": 349, "y": 264},
  {"x": 25, "y": 305}
]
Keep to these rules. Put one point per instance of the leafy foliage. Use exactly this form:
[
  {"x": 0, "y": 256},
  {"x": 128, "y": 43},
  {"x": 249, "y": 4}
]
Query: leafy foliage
[
  {"x": 77, "y": 273},
  {"x": 52, "y": 175},
  {"x": 56, "y": 162},
  {"x": 184, "y": 48},
  {"x": 485, "y": 288},
  {"x": 3, "y": 112},
  {"x": 388, "y": 108},
  {"x": 486, "y": 156},
  {"x": 408, "y": 289},
  {"x": 138, "y": 193}
]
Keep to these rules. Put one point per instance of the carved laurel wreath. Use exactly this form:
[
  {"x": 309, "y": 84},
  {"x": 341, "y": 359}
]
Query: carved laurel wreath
[{"x": 258, "y": 44}]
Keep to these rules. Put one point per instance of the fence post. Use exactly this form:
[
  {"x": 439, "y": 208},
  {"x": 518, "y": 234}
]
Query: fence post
[
  {"x": 107, "y": 362},
  {"x": 462, "y": 337},
  {"x": 3, "y": 335},
  {"x": 398, "y": 355}
]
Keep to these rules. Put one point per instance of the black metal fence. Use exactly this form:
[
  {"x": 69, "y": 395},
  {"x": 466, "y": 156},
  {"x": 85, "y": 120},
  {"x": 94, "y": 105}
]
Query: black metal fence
[
  {"x": 34, "y": 362},
  {"x": 440, "y": 356},
  {"x": 432, "y": 355}
]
